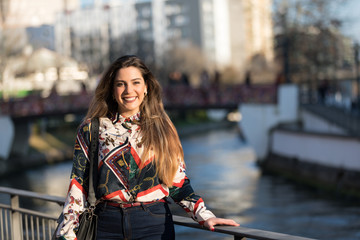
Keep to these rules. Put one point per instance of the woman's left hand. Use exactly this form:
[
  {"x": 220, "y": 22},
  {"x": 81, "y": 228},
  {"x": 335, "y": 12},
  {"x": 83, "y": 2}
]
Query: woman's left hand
[{"x": 211, "y": 222}]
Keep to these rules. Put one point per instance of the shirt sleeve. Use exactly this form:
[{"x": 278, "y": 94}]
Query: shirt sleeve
[
  {"x": 183, "y": 194},
  {"x": 76, "y": 198}
]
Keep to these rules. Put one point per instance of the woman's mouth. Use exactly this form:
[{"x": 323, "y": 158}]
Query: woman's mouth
[{"x": 129, "y": 99}]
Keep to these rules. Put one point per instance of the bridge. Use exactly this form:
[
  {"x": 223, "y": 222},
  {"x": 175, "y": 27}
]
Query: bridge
[
  {"x": 174, "y": 98},
  {"x": 17, "y": 115}
]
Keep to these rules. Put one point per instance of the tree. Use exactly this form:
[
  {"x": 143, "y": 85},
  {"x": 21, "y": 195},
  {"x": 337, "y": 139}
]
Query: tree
[
  {"x": 12, "y": 40},
  {"x": 308, "y": 39},
  {"x": 184, "y": 57}
]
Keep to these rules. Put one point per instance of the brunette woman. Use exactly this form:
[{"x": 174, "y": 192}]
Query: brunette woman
[{"x": 140, "y": 161}]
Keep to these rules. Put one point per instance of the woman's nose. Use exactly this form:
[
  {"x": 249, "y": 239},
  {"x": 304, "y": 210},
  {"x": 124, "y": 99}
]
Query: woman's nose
[{"x": 128, "y": 88}]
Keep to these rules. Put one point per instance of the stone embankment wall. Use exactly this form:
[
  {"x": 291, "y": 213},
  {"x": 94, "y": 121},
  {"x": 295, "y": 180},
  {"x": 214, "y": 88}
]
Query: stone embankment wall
[{"x": 329, "y": 161}]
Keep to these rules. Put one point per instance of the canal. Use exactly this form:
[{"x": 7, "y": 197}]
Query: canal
[{"x": 222, "y": 170}]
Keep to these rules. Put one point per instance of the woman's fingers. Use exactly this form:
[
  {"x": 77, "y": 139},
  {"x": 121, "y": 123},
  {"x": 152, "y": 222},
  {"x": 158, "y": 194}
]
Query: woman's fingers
[{"x": 211, "y": 222}]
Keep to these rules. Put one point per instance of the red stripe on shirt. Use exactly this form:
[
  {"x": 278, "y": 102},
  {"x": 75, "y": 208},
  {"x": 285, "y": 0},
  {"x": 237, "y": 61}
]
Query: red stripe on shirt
[
  {"x": 138, "y": 160},
  {"x": 187, "y": 209},
  {"x": 101, "y": 163},
  {"x": 114, "y": 194},
  {"x": 83, "y": 147},
  {"x": 181, "y": 183},
  {"x": 197, "y": 204},
  {"x": 78, "y": 185},
  {"x": 146, "y": 192}
]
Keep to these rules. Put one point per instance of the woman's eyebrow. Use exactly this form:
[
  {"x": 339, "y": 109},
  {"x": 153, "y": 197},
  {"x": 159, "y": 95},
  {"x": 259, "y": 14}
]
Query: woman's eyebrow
[{"x": 134, "y": 79}]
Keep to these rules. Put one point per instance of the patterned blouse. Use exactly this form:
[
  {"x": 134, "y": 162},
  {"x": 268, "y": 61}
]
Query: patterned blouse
[{"x": 121, "y": 177}]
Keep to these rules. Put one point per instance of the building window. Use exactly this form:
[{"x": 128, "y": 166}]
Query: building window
[
  {"x": 207, "y": 6},
  {"x": 180, "y": 20},
  {"x": 172, "y": 9},
  {"x": 145, "y": 12}
]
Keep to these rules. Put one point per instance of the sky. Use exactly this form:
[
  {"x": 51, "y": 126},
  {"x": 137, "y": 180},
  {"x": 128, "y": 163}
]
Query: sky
[{"x": 350, "y": 13}]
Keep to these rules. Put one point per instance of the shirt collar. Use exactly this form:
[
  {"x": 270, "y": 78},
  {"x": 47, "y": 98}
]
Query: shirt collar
[{"x": 132, "y": 119}]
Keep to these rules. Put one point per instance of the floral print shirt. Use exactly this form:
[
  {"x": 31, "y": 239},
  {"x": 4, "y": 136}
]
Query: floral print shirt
[{"x": 121, "y": 176}]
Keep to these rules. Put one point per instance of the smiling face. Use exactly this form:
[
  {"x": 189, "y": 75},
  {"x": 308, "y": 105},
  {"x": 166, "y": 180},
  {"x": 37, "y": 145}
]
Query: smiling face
[{"x": 129, "y": 90}]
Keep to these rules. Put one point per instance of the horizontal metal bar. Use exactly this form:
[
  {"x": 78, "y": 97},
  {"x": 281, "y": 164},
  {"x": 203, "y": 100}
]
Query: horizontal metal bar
[
  {"x": 36, "y": 214},
  {"x": 4, "y": 206},
  {"x": 239, "y": 231},
  {"x": 28, "y": 211},
  {"x": 29, "y": 194}
]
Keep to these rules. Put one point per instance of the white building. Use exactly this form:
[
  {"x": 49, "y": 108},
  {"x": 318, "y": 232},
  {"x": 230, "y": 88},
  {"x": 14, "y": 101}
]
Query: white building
[
  {"x": 229, "y": 32},
  {"x": 22, "y": 14},
  {"x": 86, "y": 34}
]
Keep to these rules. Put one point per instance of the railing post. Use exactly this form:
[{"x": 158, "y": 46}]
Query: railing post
[
  {"x": 239, "y": 238},
  {"x": 15, "y": 218}
]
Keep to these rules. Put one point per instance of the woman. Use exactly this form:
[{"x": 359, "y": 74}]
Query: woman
[{"x": 140, "y": 161}]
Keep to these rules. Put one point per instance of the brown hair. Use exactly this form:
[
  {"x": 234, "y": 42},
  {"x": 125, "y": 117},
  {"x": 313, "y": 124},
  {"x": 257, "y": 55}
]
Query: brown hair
[{"x": 158, "y": 132}]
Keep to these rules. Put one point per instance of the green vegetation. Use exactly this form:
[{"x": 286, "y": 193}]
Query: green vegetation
[{"x": 188, "y": 117}]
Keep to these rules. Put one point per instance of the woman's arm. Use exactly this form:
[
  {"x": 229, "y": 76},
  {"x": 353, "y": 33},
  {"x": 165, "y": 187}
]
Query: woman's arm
[
  {"x": 183, "y": 194},
  {"x": 77, "y": 194}
]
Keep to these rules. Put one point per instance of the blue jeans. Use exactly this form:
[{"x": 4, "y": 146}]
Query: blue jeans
[{"x": 146, "y": 222}]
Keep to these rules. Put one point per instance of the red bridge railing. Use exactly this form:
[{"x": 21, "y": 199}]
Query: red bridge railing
[{"x": 174, "y": 97}]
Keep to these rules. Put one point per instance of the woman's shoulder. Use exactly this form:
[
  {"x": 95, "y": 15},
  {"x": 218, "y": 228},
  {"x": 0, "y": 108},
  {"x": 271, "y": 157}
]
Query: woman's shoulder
[
  {"x": 84, "y": 126},
  {"x": 86, "y": 122}
]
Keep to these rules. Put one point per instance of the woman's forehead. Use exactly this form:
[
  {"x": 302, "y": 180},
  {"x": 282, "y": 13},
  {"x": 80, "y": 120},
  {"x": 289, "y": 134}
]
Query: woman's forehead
[{"x": 128, "y": 73}]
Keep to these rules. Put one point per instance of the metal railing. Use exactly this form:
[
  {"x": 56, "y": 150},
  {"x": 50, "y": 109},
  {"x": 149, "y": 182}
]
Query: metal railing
[
  {"x": 18, "y": 223},
  {"x": 349, "y": 121}
]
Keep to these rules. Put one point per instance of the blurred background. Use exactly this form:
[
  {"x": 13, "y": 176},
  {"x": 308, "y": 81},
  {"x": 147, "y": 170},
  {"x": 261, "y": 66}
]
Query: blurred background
[{"x": 264, "y": 93}]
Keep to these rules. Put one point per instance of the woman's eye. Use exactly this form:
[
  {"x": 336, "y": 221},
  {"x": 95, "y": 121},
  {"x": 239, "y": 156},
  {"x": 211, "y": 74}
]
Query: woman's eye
[{"x": 119, "y": 84}]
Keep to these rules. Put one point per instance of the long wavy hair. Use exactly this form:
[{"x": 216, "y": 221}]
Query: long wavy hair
[{"x": 159, "y": 134}]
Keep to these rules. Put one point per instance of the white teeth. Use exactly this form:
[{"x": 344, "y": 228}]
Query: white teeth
[{"x": 130, "y": 99}]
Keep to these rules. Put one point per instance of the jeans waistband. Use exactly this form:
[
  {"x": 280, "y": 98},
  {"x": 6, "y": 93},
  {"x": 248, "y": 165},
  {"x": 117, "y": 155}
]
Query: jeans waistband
[{"x": 128, "y": 204}]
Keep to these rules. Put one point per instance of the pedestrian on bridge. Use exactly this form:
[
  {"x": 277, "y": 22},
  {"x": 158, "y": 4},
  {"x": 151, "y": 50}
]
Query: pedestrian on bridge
[{"x": 140, "y": 162}]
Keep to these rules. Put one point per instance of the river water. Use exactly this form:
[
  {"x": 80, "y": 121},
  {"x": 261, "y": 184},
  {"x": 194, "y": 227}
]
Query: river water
[{"x": 222, "y": 170}]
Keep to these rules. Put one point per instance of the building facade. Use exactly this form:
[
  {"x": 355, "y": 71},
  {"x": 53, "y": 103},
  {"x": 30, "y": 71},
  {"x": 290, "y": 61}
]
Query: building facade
[
  {"x": 95, "y": 33},
  {"x": 229, "y": 33},
  {"x": 22, "y": 14}
]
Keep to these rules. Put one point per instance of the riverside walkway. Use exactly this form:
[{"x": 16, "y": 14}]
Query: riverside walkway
[
  {"x": 17, "y": 223},
  {"x": 346, "y": 119}
]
